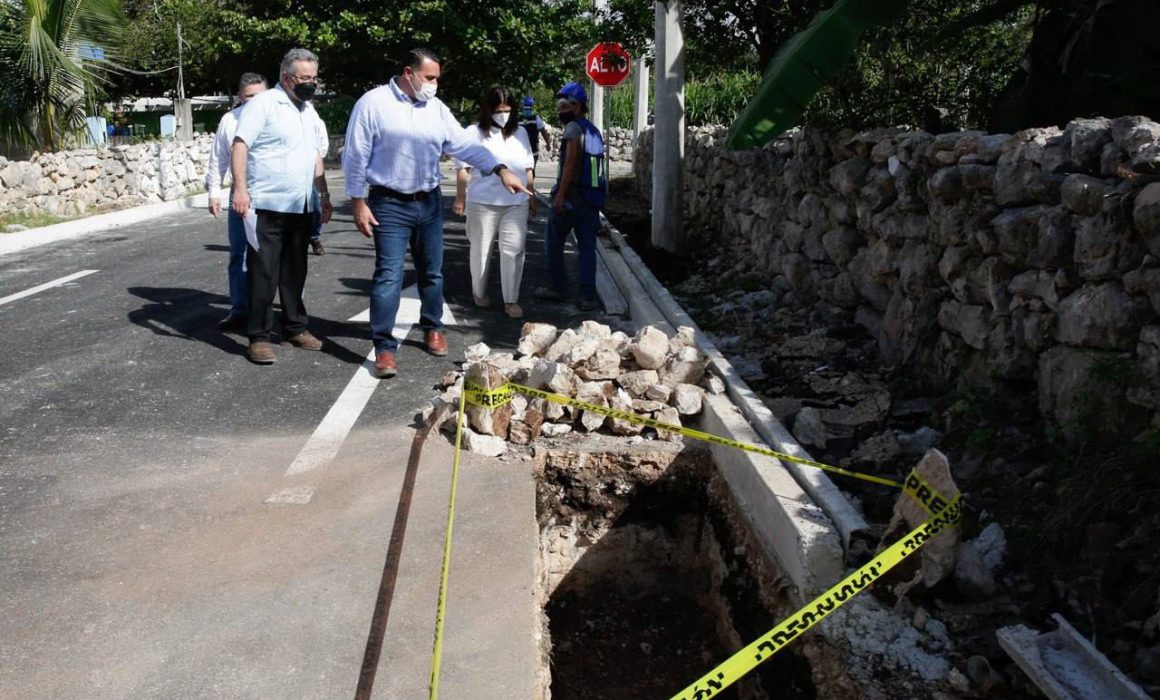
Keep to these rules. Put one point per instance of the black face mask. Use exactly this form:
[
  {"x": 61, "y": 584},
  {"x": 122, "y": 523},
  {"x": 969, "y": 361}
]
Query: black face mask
[
  {"x": 566, "y": 117},
  {"x": 305, "y": 91}
]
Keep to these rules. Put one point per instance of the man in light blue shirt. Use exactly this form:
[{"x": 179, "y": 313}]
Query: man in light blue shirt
[
  {"x": 276, "y": 170},
  {"x": 394, "y": 139}
]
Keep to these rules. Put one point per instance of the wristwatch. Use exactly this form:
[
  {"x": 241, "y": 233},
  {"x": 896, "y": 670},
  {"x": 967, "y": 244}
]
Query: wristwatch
[{"x": 496, "y": 169}]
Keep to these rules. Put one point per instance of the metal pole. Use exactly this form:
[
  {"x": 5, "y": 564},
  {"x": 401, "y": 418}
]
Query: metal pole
[
  {"x": 640, "y": 97},
  {"x": 669, "y": 134}
]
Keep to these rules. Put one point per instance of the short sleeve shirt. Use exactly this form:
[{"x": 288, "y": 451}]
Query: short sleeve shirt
[{"x": 283, "y": 149}]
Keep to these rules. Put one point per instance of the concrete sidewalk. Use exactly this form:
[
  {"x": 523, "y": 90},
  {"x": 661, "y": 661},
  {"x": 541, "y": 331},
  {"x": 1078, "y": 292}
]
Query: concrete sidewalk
[{"x": 208, "y": 593}]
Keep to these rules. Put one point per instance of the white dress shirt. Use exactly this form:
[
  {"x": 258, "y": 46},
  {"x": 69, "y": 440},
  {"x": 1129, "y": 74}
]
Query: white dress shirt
[
  {"x": 394, "y": 141},
  {"x": 219, "y": 153}
]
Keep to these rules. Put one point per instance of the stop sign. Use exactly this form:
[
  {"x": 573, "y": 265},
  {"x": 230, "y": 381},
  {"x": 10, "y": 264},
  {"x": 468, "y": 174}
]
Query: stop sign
[{"x": 607, "y": 64}]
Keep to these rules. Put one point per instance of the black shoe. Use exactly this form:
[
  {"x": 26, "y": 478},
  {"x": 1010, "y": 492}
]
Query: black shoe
[{"x": 233, "y": 322}]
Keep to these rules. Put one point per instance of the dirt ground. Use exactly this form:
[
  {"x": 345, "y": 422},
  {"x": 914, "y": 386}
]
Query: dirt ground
[{"x": 1080, "y": 519}]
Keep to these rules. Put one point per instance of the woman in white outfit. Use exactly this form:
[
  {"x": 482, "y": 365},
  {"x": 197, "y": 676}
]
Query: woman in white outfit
[{"x": 491, "y": 210}]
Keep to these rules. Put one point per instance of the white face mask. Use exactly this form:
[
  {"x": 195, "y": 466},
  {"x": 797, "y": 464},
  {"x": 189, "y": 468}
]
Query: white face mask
[
  {"x": 500, "y": 118},
  {"x": 425, "y": 91}
]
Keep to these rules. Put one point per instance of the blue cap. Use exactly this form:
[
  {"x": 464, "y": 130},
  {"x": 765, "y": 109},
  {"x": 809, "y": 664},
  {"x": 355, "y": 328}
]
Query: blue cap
[
  {"x": 528, "y": 101},
  {"x": 574, "y": 91}
]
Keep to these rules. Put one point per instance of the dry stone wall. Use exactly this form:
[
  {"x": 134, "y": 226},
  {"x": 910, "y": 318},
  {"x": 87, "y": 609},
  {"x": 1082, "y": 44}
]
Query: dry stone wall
[
  {"x": 70, "y": 183},
  {"x": 1003, "y": 260}
]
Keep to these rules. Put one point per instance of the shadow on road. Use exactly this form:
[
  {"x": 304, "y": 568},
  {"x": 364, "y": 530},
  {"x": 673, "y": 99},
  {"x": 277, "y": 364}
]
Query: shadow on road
[{"x": 188, "y": 314}]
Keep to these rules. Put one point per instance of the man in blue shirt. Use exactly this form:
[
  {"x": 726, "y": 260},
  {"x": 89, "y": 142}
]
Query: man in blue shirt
[
  {"x": 394, "y": 139},
  {"x": 276, "y": 169}
]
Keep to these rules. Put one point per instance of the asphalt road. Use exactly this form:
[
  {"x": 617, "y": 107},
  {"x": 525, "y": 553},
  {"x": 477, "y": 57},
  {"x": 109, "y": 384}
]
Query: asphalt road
[{"x": 139, "y": 556}]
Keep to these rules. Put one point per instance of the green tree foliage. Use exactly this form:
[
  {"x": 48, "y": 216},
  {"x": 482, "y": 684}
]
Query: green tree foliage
[
  {"x": 519, "y": 43},
  {"x": 1086, "y": 58},
  {"x": 913, "y": 71},
  {"x": 56, "y": 55}
]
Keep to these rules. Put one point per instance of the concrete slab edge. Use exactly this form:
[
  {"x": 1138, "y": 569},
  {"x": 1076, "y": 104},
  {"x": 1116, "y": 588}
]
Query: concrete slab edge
[
  {"x": 23, "y": 240},
  {"x": 793, "y": 530},
  {"x": 823, "y": 491},
  {"x": 1064, "y": 665}
]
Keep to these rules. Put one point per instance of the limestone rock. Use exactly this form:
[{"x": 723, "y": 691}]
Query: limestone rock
[
  {"x": 602, "y": 364},
  {"x": 1101, "y": 316},
  {"x": 579, "y": 352},
  {"x": 937, "y": 555},
  {"x": 979, "y": 560},
  {"x": 687, "y": 399},
  {"x": 1079, "y": 393},
  {"x": 621, "y": 401},
  {"x": 593, "y": 329},
  {"x": 564, "y": 342},
  {"x": 488, "y": 421},
  {"x": 809, "y": 428},
  {"x": 685, "y": 368},
  {"x": 685, "y": 338},
  {"x": 535, "y": 338},
  {"x": 486, "y": 445},
  {"x": 1083, "y": 194},
  {"x": 524, "y": 431},
  {"x": 556, "y": 377},
  {"x": 555, "y": 429},
  {"x": 713, "y": 384},
  {"x": 1146, "y": 216},
  {"x": 650, "y": 348},
  {"x": 637, "y": 382},
  {"x": 658, "y": 392},
  {"x": 597, "y": 394},
  {"x": 476, "y": 353},
  {"x": 669, "y": 416}
]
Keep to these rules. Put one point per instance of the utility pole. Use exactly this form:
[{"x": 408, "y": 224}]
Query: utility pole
[
  {"x": 596, "y": 106},
  {"x": 640, "y": 97},
  {"x": 668, "y": 231},
  {"x": 182, "y": 108}
]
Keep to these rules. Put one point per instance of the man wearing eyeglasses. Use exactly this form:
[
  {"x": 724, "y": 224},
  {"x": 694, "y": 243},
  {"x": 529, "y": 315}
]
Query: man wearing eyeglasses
[{"x": 276, "y": 168}]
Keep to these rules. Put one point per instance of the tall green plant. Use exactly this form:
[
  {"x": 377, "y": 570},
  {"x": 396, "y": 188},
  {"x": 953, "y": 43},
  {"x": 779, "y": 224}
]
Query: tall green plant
[
  {"x": 804, "y": 64},
  {"x": 61, "y": 51}
]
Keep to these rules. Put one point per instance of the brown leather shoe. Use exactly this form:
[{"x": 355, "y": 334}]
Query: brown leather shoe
[
  {"x": 305, "y": 341},
  {"x": 261, "y": 353},
  {"x": 436, "y": 343},
  {"x": 316, "y": 246},
  {"x": 385, "y": 364}
]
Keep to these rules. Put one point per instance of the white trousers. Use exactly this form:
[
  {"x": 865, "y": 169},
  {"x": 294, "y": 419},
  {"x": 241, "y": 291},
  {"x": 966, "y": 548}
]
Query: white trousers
[{"x": 510, "y": 223}]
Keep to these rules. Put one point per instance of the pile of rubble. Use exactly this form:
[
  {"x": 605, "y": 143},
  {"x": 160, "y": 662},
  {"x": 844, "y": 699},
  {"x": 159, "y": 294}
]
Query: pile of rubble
[{"x": 650, "y": 374}]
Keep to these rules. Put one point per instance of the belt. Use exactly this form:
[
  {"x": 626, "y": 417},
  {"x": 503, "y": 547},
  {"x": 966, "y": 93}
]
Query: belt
[{"x": 380, "y": 191}]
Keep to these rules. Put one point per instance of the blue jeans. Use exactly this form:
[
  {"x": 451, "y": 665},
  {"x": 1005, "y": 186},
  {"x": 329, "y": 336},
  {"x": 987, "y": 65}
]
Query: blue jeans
[
  {"x": 239, "y": 292},
  {"x": 402, "y": 224},
  {"x": 584, "y": 221}
]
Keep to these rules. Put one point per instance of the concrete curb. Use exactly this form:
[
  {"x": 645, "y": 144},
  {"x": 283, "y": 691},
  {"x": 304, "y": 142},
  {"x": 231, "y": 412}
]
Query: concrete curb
[
  {"x": 794, "y": 529},
  {"x": 784, "y": 517},
  {"x": 823, "y": 491},
  {"x": 23, "y": 240}
]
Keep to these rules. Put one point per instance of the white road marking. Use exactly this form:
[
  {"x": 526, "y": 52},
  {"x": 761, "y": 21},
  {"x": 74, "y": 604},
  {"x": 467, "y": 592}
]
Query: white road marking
[
  {"x": 328, "y": 437},
  {"x": 47, "y": 285},
  {"x": 408, "y": 313}
]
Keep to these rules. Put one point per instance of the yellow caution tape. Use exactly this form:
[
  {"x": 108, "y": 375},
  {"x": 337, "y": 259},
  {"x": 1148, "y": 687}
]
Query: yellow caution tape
[
  {"x": 944, "y": 513},
  {"x": 494, "y": 398},
  {"x": 761, "y": 649},
  {"x": 925, "y": 494},
  {"x": 488, "y": 398},
  {"x": 441, "y": 609}
]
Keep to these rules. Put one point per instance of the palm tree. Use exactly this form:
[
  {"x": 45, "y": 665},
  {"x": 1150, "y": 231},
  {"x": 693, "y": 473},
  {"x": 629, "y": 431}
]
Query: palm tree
[{"x": 56, "y": 56}]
